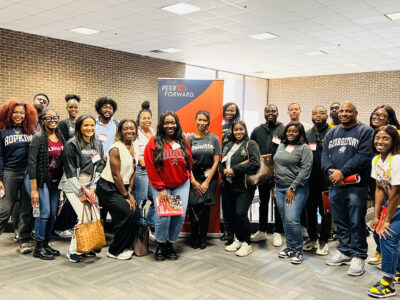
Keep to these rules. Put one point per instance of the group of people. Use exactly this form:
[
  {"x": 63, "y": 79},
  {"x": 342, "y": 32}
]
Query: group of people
[{"x": 84, "y": 163}]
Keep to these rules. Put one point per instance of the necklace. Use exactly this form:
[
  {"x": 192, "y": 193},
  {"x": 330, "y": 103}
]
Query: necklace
[{"x": 17, "y": 132}]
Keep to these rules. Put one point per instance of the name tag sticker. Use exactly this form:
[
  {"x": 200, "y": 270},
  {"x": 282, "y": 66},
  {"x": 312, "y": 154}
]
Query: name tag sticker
[
  {"x": 313, "y": 146},
  {"x": 175, "y": 146},
  {"x": 290, "y": 148},
  {"x": 276, "y": 140},
  {"x": 224, "y": 158},
  {"x": 207, "y": 172},
  {"x": 103, "y": 137},
  {"x": 95, "y": 158}
]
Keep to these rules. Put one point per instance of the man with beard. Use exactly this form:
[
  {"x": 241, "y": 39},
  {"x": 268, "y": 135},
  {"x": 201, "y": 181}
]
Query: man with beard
[
  {"x": 294, "y": 111},
  {"x": 334, "y": 114},
  {"x": 318, "y": 183},
  {"x": 347, "y": 151},
  {"x": 106, "y": 126},
  {"x": 268, "y": 137}
]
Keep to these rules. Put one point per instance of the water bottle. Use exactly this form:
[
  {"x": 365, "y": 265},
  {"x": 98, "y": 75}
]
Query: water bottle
[{"x": 36, "y": 210}]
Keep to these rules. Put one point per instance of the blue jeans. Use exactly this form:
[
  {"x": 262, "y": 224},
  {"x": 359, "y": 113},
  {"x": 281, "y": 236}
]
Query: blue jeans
[
  {"x": 291, "y": 215},
  {"x": 391, "y": 248},
  {"x": 143, "y": 191},
  {"x": 48, "y": 204},
  {"x": 349, "y": 207},
  {"x": 168, "y": 228}
]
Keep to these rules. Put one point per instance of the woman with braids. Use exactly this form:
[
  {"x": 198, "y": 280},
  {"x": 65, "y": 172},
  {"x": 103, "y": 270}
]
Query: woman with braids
[
  {"x": 17, "y": 122},
  {"x": 142, "y": 184},
  {"x": 45, "y": 169},
  {"x": 114, "y": 190},
  {"x": 83, "y": 164},
  {"x": 168, "y": 160},
  {"x": 66, "y": 219}
]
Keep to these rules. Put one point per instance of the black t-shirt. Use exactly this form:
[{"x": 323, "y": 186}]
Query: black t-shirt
[
  {"x": 227, "y": 135},
  {"x": 203, "y": 151}
]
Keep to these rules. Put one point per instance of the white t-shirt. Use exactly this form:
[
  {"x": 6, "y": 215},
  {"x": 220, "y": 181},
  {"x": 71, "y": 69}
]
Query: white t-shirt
[
  {"x": 387, "y": 172},
  {"x": 234, "y": 148}
]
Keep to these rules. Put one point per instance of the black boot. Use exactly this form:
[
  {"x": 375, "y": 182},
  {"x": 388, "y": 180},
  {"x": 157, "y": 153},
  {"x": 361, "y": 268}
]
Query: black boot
[
  {"x": 42, "y": 252},
  {"x": 203, "y": 241},
  {"x": 171, "y": 253},
  {"x": 52, "y": 251},
  {"x": 161, "y": 253}
]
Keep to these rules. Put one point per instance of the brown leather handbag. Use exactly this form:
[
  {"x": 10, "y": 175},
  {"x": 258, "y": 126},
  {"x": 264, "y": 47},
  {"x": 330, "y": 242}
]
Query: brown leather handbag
[
  {"x": 265, "y": 172},
  {"x": 89, "y": 236}
]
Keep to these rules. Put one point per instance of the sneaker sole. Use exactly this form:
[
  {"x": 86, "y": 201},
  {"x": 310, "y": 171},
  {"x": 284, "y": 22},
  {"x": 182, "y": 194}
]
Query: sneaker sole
[
  {"x": 284, "y": 256},
  {"x": 322, "y": 253},
  {"x": 247, "y": 254},
  {"x": 296, "y": 262},
  {"x": 381, "y": 296},
  {"x": 25, "y": 251},
  {"x": 338, "y": 264},
  {"x": 117, "y": 258},
  {"x": 355, "y": 274},
  {"x": 373, "y": 263}
]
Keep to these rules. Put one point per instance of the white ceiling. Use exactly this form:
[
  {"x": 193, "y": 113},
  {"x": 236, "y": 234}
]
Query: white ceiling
[{"x": 356, "y": 35}]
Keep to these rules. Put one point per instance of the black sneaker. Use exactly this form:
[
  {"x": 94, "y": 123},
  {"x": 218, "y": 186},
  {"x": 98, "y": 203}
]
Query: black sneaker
[
  {"x": 89, "y": 254},
  {"x": 297, "y": 258},
  {"x": 286, "y": 253},
  {"x": 73, "y": 257}
]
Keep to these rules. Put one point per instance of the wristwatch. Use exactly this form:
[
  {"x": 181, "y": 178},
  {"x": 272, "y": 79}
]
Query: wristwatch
[{"x": 293, "y": 189}]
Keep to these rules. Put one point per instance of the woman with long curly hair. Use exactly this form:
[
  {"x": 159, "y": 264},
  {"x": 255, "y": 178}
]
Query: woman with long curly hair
[
  {"x": 17, "y": 122},
  {"x": 45, "y": 169},
  {"x": 168, "y": 159}
]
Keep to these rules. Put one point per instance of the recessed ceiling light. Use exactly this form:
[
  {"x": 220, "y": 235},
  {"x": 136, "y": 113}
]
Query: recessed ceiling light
[
  {"x": 181, "y": 8},
  {"x": 393, "y": 16},
  {"x": 170, "y": 50},
  {"x": 263, "y": 36},
  {"x": 350, "y": 65},
  {"x": 314, "y": 53},
  {"x": 84, "y": 30}
]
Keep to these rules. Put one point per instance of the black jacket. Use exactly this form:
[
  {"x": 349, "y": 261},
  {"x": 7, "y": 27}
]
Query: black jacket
[
  {"x": 263, "y": 135},
  {"x": 318, "y": 179},
  {"x": 65, "y": 130},
  {"x": 239, "y": 156},
  {"x": 35, "y": 162}
]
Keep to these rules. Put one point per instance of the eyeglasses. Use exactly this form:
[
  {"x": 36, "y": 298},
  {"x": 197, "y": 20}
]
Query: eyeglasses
[
  {"x": 379, "y": 116},
  {"x": 49, "y": 119}
]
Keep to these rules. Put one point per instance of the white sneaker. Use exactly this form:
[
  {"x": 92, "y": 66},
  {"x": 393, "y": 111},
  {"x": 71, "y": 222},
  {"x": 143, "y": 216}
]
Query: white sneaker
[
  {"x": 234, "y": 246},
  {"x": 277, "y": 239},
  {"x": 124, "y": 255},
  {"x": 323, "y": 249},
  {"x": 357, "y": 267},
  {"x": 244, "y": 250},
  {"x": 339, "y": 259},
  {"x": 152, "y": 237},
  {"x": 258, "y": 236},
  {"x": 64, "y": 234}
]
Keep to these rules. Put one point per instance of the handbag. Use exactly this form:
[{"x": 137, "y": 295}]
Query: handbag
[
  {"x": 142, "y": 239},
  {"x": 89, "y": 236},
  {"x": 264, "y": 173}
]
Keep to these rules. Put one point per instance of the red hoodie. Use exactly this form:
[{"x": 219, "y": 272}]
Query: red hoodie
[{"x": 173, "y": 173}]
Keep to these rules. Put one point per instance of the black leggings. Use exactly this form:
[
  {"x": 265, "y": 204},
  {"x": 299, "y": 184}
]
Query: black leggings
[
  {"x": 240, "y": 203},
  {"x": 199, "y": 219},
  {"x": 124, "y": 219}
]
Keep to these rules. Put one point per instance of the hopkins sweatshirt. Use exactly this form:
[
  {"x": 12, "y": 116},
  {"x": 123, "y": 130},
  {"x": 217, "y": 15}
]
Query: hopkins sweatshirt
[
  {"x": 173, "y": 173},
  {"x": 349, "y": 150}
]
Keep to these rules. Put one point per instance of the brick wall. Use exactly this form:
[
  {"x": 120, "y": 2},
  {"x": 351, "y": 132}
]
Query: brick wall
[
  {"x": 366, "y": 90},
  {"x": 31, "y": 64}
]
